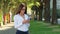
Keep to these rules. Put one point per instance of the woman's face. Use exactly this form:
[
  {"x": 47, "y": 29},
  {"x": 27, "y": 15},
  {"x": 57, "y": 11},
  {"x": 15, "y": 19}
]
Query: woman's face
[{"x": 22, "y": 10}]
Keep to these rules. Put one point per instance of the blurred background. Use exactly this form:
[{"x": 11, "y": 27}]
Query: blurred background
[{"x": 44, "y": 15}]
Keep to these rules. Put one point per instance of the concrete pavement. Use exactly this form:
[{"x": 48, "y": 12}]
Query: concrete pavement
[{"x": 8, "y": 29}]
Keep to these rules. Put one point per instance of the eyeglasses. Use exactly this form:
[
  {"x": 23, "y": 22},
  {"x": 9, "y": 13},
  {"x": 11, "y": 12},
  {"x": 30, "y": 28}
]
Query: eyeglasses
[{"x": 22, "y": 9}]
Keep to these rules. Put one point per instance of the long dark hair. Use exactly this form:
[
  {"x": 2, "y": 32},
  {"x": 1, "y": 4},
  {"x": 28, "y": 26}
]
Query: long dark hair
[{"x": 20, "y": 8}]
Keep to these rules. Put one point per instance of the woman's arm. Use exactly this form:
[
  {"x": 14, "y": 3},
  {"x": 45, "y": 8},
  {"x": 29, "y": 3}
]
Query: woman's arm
[
  {"x": 17, "y": 23},
  {"x": 27, "y": 20}
]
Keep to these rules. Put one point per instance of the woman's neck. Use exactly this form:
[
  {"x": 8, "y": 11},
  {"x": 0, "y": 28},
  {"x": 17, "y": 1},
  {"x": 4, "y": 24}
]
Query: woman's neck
[{"x": 21, "y": 14}]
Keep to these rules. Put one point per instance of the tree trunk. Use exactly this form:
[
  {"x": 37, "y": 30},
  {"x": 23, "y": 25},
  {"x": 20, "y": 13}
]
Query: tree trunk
[
  {"x": 54, "y": 14},
  {"x": 5, "y": 6},
  {"x": 47, "y": 10},
  {"x": 40, "y": 10}
]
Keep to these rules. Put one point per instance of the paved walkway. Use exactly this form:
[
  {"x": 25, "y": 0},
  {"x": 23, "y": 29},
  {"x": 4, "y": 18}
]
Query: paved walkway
[{"x": 7, "y": 29}]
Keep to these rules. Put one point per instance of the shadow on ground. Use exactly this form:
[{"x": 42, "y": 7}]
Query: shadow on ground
[{"x": 8, "y": 31}]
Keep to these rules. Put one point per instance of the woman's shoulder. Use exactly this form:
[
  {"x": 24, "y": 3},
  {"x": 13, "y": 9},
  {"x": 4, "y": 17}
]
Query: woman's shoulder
[{"x": 16, "y": 15}]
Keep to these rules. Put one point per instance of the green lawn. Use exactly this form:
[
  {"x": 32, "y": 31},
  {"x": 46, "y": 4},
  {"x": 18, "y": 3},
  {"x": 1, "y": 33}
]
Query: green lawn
[{"x": 38, "y": 27}]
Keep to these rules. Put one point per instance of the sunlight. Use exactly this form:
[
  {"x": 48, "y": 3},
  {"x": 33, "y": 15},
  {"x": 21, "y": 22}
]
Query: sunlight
[{"x": 7, "y": 26}]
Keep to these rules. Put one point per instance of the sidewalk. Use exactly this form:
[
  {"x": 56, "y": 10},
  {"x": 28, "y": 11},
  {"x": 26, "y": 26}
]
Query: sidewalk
[{"x": 7, "y": 26}]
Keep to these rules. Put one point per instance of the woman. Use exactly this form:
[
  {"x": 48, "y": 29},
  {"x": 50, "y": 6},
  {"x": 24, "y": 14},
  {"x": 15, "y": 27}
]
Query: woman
[{"x": 21, "y": 21}]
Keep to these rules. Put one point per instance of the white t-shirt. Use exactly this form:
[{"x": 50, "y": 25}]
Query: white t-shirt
[{"x": 18, "y": 23}]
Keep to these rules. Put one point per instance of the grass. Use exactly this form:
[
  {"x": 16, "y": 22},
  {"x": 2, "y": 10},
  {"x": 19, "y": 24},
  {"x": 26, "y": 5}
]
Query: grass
[{"x": 39, "y": 27}]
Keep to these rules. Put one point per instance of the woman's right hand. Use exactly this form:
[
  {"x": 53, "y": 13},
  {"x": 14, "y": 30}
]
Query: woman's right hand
[{"x": 24, "y": 22}]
